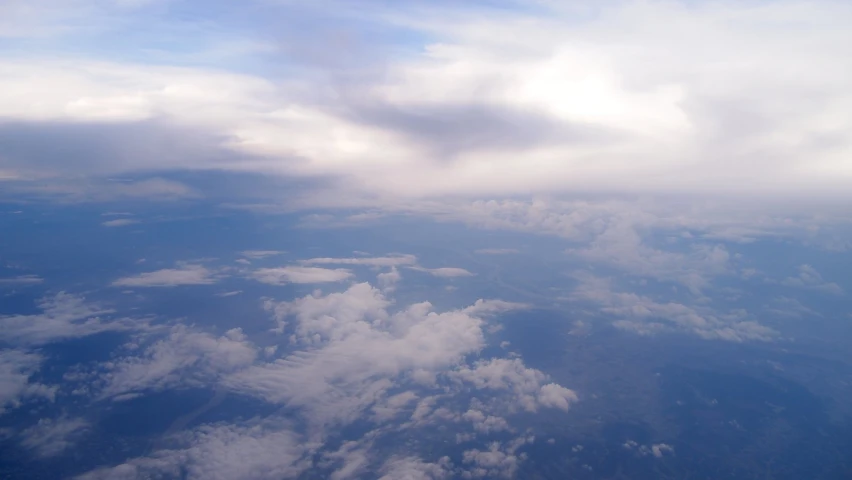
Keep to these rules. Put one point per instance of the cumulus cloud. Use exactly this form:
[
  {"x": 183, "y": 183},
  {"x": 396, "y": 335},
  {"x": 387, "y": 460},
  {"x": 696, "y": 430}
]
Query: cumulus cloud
[
  {"x": 170, "y": 277},
  {"x": 16, "y": 367},
  {"x": 810, "y": 278},
  {"x": 51, "y": 437},
  {"x": 526, "y": 384},
  {"x": 296, "y": 274}
]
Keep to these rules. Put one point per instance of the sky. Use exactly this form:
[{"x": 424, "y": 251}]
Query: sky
[
  {"x": 415, "y": 100},
  {"x": 351, "y": 223}
]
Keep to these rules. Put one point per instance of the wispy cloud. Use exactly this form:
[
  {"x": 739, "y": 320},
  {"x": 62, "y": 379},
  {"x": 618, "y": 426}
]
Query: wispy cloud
[{"x": 170, "y": 277}]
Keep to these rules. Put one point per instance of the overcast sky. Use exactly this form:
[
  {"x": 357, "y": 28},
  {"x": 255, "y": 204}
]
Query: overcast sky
[{"x": 421, "y": 99}]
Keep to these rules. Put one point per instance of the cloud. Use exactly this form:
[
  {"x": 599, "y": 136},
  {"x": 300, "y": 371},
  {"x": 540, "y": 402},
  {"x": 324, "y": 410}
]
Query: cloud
[
  {"x": 525, "y": 383},
  {"x": 499, "y": 461},
  {"x": 229, "y": 294},
  {"x": 119, "y": 222},
  {"x": 644, "y": 316},
  {"x": 21, "y": 280},
  {"x": 261, "y": 450},
  {"x": 51, "y": 437},
  {"x": 63, "y": 316},
  {"x": 495, "y": 251},
  {"x": 551, "y": 102},
  {"x": 183, "y": 358},
  {"x": 259, "y": 254},
  {"x": 170, "y": 277},
  {"x": 389, "y": 261},
  {"x": 411, "y": 468},
  {"x": 16, "y": 367},
  {"x": 445, "y": 272},
  {"x": 295, "y": 274},
  {"x": 388, "y": 280},
  {"x": 811, "y": 279}
]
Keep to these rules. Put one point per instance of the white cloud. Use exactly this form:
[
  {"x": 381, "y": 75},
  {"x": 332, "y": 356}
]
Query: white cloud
[
  {"x": 809, "y": 278},
  {"x": 63, "y": 316},
  {"x": 170, "y": 277},
  {"x": 259, "y": 450},
  {"x": 21, "y": 280},
  {"x": 51, "y": 437},
  {"x": 445, "y": 272},
  {"x": 645, "y": 316},
  {"x": 388, "y": 261},
  {"x": 539, "y": 100},
  {"x": 526, "y": 384},
  {"x": 388, "y": 280},
  {"x": 295, "y": 274},
  {"x": 260, "y": 254},
  {"x": 119, "y": 222},
  {"x": 410, "y": 468},
  {"x": 229, "y": 294},
  {"x": 183, "y": 358},
  {"x": 499, "y": 461},
  {"x": 16, "y": 367}
]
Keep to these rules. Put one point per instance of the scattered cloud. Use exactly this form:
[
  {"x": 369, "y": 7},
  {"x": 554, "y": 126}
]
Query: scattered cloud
[
  {"x": 63, "y": 316},
  {"x": 16, "y": 367},
  {"x": 644, "y": 316},
  {"x": 170, "y": 277},
  {"x": 809, "y": 278},
  {"x": 297, "y": 274},
  {"x": 51, "y": 437},
  {"x": 183, "y": 358}
]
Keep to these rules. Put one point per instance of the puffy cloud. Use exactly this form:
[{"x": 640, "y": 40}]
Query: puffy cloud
[
  {"x": 170, "y": 277},
  {"x": 355, "y": 351},
  {"x": 526, "y": 384},
  {"x": 16, "y": 367},
  {"x": 63, "y": 316},
  {"x": 295, "y": 274},
  {"x": 410, "y": 468},
  {"x": 183, "y": 358},
  {"x": 220, "y": 452},
  {"x": 51, "y": 437},
  {"x": 499, "y": 461},
  {"x": 810, "y": 278},
  {"x": 388, "y": 280}
]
